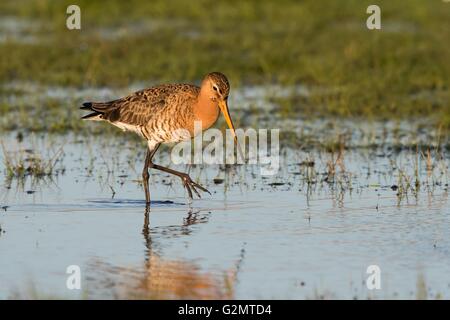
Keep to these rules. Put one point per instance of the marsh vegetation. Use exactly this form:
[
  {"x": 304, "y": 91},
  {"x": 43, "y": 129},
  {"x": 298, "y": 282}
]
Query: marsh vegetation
[
  {"x": 365, "y": 123},
  {"x": 346, "y": 70}
]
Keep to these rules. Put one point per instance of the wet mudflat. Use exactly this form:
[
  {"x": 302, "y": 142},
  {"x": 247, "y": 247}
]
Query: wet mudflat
[{"x": 310, "y": 231}]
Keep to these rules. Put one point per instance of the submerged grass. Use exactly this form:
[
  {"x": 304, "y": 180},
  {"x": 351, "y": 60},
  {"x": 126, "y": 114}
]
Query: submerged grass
[
  {"x": 25, "y": 163},
  {"x": 397, "y": 72}
]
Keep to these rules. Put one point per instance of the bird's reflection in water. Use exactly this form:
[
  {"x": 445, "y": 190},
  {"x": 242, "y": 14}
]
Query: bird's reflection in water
[
  {"x": 161, "y": 278},
  {"x": 164, "y": 233},
  {"x": 175, "y": 279}
]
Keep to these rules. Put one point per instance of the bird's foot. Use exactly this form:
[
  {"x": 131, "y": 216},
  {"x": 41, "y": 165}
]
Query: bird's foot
[{"x": 191, "y": 185}]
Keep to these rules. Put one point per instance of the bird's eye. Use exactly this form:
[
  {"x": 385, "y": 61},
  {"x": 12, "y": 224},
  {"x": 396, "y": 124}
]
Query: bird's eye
[{"x": 215, "y": 88}]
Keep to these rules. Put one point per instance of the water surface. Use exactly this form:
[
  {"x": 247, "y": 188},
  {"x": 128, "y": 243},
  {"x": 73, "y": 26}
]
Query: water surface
[{"x": 299, "y": 234}]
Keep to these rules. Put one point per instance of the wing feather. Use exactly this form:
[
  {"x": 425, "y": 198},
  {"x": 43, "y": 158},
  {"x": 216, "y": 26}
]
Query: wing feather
[{"x": 139, "y": 108}]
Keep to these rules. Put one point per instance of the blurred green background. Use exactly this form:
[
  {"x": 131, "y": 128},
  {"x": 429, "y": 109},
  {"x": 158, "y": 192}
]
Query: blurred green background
[{"x": 398, "y": 72}]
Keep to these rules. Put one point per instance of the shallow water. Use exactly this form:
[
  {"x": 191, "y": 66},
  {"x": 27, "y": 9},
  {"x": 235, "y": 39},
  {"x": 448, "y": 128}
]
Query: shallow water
[{"x": 298, "y": 234}]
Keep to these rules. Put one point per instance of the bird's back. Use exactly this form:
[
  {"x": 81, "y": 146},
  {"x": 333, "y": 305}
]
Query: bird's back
[{"x": 153, "y": 113}]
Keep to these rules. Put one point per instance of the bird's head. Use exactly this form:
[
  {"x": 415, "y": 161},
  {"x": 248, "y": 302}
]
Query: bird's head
[{"x": 217, "y": 88}]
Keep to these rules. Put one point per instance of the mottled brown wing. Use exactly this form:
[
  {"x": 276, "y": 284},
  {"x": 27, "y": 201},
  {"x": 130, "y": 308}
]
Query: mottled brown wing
[{"x": 137, "y": 108}]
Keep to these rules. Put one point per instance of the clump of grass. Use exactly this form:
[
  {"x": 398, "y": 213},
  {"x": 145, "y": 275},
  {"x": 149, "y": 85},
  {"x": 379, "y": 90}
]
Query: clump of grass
[
  {"x": 336, "y": 150},
  {"x": 27, "y": 163}
]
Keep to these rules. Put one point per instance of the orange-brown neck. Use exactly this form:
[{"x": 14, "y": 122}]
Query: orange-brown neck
[{"x": 206, "y": 110}]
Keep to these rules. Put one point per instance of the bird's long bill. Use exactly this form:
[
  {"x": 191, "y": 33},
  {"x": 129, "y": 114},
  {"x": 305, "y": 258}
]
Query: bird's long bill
[{"x": 226, "y": 113}]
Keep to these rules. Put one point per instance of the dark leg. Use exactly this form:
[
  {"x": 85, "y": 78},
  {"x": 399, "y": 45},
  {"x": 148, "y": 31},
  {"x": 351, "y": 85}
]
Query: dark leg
[
  {"x": 187, "y": 181},
  {"x": 145, "y": 174}
]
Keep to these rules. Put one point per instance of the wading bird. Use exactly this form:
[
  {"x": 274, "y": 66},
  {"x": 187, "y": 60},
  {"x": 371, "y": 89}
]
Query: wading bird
[{"x": 159, "y": 114}]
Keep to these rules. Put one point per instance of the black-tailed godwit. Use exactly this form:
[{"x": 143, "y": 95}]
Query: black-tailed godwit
[{"x": 165, "y": 114}]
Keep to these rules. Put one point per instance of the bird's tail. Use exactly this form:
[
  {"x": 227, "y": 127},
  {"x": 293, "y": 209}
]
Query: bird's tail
[{"x": 97, "y": 108}]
